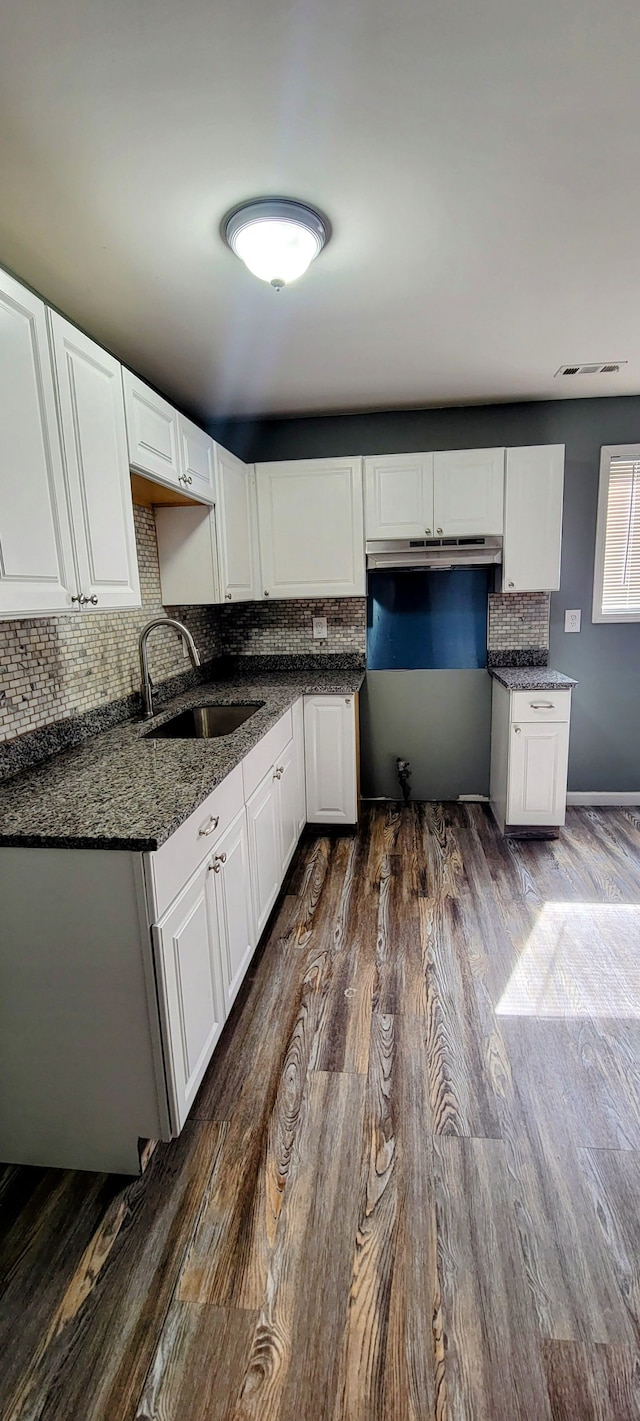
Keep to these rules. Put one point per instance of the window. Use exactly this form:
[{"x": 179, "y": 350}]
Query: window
[{"x": 616, "y": 582}]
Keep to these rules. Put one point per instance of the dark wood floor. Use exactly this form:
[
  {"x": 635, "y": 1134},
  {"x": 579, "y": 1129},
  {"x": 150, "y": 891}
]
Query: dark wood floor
[{"x": 410, "y": 1186}]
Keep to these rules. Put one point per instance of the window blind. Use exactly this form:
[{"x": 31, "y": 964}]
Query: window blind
[{"x": 621, "y": 571}]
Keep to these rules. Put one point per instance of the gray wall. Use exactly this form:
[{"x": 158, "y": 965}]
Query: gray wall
[{"x": 605, "y": 736}]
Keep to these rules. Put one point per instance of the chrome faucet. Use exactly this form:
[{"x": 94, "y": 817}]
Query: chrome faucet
[{"x": 146, "y": 682}]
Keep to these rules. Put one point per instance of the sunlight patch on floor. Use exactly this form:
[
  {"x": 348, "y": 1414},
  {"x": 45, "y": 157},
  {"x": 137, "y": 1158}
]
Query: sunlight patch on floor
[{"x": 581, "y": 959}]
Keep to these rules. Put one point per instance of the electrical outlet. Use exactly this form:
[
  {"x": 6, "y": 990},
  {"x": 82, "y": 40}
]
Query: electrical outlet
[
  {"x": 572, "y": 621},
  {"x": 320, "y": 630}
]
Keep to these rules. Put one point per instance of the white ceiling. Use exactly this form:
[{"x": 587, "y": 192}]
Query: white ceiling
[{"x": 479, "y": 163}]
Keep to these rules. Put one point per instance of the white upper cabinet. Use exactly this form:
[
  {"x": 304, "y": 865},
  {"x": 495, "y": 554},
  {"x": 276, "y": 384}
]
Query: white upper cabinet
[
  {"x": 36, "y": 561},
  {"x": 153, "y": 432},
  {"x": 468, "y": 492},
  {"x": 534, "y": 483},
  {"x": 310, "y": 518},
  {"x": 330, "y": 744},
  {"x": 197, "y": 460},
  {"x": 236, "y": 528},
  {"x": 399, "y": 496},
  {"x": 94, "y": 442}
]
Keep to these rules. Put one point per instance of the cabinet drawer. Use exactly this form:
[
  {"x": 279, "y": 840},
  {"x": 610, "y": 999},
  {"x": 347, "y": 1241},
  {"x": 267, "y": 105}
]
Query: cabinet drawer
[
  {"x": 263, "y": 755},
  {"x": 167, "y": 870},
  {"x": 540, "y": 705}
]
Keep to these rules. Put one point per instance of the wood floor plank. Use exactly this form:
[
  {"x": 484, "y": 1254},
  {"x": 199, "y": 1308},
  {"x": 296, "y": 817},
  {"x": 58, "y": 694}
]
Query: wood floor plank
[
  {"x": 613, "y": 1179},
  {"x": 572, "y": 1283},
  {"x": 400, "y": 983},
  {"x": 94, "y": 1355},
  {"x": 592, "y": 1383},
  {"x": 578, "y": 1092},
  {"x": 342, "y": 1036},
  {"x": 42, "y": 1245},
  {"x": 199, "y": 1365},
  {"x": 413, "y": 1384},
  {"x": 494, "y": 1365},
  {"x": 359, "y": 1390},
  {"x": 459, "y": 1056},
  {"x": 229, "y": 1260},
  {"x": 293, "y": 1369}
]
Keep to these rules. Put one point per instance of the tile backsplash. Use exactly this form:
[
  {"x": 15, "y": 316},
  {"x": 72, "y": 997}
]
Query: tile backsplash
[
  {"x": 55, "y": 667},
  {"x": 518, "y": 622},
  {"x": 285, "y": 628}
]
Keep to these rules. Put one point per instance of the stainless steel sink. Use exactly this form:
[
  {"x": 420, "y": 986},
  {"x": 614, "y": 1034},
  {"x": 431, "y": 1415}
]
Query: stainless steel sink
[{"x": 205, "y": 722}]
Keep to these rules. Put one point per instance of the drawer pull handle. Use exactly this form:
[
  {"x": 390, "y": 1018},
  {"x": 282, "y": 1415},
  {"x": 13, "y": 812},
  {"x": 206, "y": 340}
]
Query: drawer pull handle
[
  {"x": 542, "y": 705},
  {"x": 213, "y": 824}
]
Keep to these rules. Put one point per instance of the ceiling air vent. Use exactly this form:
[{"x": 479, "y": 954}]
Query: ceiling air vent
[{"x": 611, "y": 368}]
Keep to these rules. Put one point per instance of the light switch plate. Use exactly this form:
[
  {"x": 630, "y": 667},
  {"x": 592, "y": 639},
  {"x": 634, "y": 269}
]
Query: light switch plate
[
  {"x": 320, "y": 630},
  {"x": 572, "y": 621}
]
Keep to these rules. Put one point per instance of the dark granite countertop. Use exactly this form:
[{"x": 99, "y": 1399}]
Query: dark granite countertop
[
  {"x": 531, "y": 678},
  {"x": 121, "y": 790}
]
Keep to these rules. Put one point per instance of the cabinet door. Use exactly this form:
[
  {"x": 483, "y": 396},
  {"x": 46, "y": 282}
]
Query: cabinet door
[
  {"x": 94, "y": 438},
  {"x": 537, "y": 787},
  {"x": 236, "y": 528},
  {"x": 399, "y": 496},
  {"x": 234, "y": 906},
  {"x": 534, "y": 481},
  {"x": 310, "y": 519},
  {"x": 330, "y": 758},
  {"x": 189, "y": 983},
  {"x": 288, "y": 796},
  {"x": 297, "y": 714},
  {"x": 265, "y": 851},
  {"x": 188, "y": 556},
  {"x": 37, "y": 572},
  {"x": 468, "y": 492},
  {"x": 152, "y": 432},
  {"x": 197, "y": 460}
]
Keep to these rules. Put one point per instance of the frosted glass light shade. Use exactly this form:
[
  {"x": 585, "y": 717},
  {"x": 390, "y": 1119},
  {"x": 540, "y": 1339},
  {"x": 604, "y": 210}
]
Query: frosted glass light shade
[{"x": 276, "y": 238}]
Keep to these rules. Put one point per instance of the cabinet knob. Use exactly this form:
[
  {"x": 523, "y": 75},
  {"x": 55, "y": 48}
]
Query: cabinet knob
[
  {"x": 228, "y": 596},
  {"x": 77, "y": 599},
  {"x": 347, "y": 700},
  {"x": 266, "y": 593},
  {"x": 511, "y": 584},
  {"x": 516, "y": 730},
  {"x": 215, "y": 866},
  {"x": 427, "y": 530},
  {"x": 438, "y": 530},
  {"x": 93, "y": 600},
  {"x": 189, "y": 479}
]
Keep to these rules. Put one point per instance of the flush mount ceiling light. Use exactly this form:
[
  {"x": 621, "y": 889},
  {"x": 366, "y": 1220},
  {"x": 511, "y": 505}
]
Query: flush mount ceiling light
[{"x": 276, "y": 237}]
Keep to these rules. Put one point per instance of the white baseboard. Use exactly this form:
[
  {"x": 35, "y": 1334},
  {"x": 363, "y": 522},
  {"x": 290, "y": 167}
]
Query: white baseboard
[{"x": 600, "y": 796}]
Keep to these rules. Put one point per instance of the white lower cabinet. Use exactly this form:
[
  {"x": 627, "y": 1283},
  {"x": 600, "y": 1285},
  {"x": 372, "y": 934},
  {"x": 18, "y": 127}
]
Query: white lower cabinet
[
  {"x": 330, "y": 744},
  {"x": 538, "y": 757},
  {"x": 129, "y": 963},
  {"x": 529, "y": 757},
  {"x": 264, "y": 847},
  {"x": 189, "y": 981},
  {"x": 288, "y": 800},
  {"x": 231, "y": 878}
]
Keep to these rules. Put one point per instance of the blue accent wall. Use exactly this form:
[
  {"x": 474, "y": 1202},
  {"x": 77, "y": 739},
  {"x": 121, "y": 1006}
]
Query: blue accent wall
[{"x": 425, "y": 621}]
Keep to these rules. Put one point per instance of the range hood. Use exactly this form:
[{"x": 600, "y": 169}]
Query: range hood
[{"x": 433, "y": 553}]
